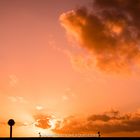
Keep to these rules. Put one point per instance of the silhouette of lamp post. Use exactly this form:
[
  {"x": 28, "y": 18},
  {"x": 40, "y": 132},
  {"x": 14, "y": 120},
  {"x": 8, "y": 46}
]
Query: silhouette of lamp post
[{"x": 11, "y": 122}]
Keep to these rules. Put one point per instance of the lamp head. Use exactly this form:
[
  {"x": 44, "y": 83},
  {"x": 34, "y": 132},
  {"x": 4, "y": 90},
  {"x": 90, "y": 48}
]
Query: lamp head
[{"x": 11, "y": 122}]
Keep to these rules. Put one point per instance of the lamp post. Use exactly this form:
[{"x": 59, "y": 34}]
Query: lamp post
[{"x": 11, "y": 122}]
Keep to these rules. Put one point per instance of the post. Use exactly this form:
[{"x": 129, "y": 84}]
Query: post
[{"x": 10, "y": 132}]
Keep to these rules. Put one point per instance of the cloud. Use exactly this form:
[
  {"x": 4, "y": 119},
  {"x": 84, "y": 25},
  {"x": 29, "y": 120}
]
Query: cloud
[
  {"x": 42, "y": 121},
  {"x": 107, "y": 116},
  {"x": 39, "y": 107},
  {"x": 106, "y": 123},
  {"x": 17, "y": 99},
  {"x": 110, "y": 32}
]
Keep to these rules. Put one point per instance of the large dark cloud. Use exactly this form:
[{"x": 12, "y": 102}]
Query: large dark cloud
[
  {"x": 110, "y": 32},
  {"x": 106, "y": 123}
]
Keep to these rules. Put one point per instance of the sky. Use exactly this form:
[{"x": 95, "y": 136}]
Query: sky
[{"x": 70, "y": 67}]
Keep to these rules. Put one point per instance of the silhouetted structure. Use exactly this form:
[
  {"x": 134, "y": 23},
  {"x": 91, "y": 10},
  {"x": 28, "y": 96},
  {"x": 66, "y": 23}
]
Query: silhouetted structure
[
  {"x": 11, "y": 122},
  {"x": 39, "y": 134},
  {"x": 99, "y": 134}
]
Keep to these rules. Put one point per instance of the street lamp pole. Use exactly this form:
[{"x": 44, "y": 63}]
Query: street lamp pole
[{"x": 11, "y": 122}]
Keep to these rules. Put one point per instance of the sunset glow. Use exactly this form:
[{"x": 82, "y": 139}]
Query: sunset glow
[{"x": 70, "y": 67}]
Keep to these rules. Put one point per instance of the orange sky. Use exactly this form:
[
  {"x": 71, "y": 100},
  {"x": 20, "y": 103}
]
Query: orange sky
[{"x": 64, "y": 66}]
